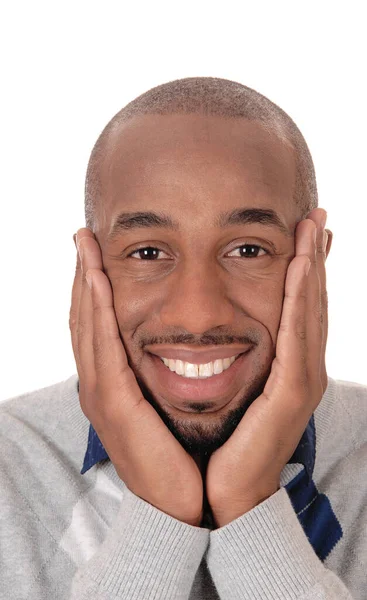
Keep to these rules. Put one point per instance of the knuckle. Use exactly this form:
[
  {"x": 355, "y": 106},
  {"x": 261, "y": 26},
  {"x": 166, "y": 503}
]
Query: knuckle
[
  {"x": 300, "y": 328},
  {"x": 81, "y": 330},
  {"x": 324, "y": 299},
  {"x": 301, "y": 334},
  {"x": 320, "y": 247},
  {"x": 319, "y": 310},
  {"x": 313, "y": 258},
  {"x": 100, "y": 357},
  {"x": 72, "y": 319},
  {"x": 78, "y": 275},
  {"x": 316, "y": 310},
  {"x": 303, "y": 294}
]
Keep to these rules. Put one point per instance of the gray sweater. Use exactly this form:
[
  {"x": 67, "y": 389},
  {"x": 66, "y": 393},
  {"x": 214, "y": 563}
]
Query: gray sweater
[{"x": 71, "y": 536}]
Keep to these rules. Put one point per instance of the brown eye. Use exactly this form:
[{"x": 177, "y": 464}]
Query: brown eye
[
  {"x": 249, "y": 251},
  {"x": 148, "y": 253}
]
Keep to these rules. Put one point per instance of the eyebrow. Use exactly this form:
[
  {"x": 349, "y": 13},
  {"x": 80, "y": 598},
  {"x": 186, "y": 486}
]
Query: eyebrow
[{"x": 127, "y": 221}]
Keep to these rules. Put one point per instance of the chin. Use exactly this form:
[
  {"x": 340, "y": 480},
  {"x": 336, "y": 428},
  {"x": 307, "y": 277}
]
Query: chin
[{"x": 202, "y": 430}]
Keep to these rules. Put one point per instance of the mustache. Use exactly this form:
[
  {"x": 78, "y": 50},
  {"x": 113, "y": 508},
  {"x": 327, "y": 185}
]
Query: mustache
[{"x": 220, "y": 339}]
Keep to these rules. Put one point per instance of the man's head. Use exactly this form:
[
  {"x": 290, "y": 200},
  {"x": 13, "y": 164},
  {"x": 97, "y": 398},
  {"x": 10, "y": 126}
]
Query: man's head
[{"x": 194, "y": 191}]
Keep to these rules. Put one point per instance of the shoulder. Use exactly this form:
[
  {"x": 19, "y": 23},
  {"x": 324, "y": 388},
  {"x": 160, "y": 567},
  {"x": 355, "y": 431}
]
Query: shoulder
[
  {"x": 351, "y": 409},
  {"x": 352, "y": 391},
  {"x": 343, "y": 401},
  {"x": 39, "y": 405},
  {"x": 36, "y": 421},
  {"x": 350, "y": 403},
  {"x": 341, "y": 419}
]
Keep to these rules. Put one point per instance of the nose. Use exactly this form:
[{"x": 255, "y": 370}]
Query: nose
[{"x": 197, "y": 301}]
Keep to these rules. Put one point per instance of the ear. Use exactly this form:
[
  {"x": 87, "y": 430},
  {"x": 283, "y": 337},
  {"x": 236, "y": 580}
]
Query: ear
[{"x": 329, "y": 241}]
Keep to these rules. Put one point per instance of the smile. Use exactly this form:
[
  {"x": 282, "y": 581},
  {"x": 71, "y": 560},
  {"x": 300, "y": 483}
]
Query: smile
[
  {"x": 198, "y": 371},
  {"x": 193, "y": 385}
]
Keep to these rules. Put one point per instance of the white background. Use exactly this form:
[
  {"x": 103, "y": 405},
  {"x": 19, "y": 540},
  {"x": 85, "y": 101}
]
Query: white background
[{"x": 68, "y": 67}]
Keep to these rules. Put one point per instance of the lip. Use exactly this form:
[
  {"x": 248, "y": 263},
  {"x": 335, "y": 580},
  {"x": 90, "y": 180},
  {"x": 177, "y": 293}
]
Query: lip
[
  {"x": 197, "y": 357},
  {"x": 177, "y": 389}
]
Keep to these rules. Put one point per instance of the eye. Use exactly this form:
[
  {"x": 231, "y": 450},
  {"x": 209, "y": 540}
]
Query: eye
[
  {"x": 245, "y": 251},
  {"x": 249, "y": 251},
  {"x": 148, "y": 253}
]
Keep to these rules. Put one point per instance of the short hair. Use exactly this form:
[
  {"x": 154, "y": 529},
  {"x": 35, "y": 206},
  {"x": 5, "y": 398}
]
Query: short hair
[{"x": 208, "y": 96}]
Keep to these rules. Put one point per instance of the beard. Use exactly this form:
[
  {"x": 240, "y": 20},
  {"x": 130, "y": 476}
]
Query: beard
[{"x": 202, "y": 439}]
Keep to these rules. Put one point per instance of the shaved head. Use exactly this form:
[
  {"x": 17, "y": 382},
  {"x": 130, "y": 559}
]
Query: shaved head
[
  {"x": 207, "y": 96},
  {"x": 194, "y": 191}
]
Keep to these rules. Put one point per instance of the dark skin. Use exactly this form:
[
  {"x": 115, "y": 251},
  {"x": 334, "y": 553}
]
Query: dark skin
[{"x": 192, "y": 168}]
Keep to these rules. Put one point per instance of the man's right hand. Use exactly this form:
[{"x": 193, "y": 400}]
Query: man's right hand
[{"x": 145, "y": 454}]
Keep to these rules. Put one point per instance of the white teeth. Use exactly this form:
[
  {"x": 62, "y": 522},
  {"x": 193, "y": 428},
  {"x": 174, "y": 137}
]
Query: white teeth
[
  {"x": 180, "y": 367},
  {"x": 206, "y": 370},
  {"x": 202, "y": 371},
  {"x": 218, "y": 366},
  {"x": 191, "y": 370}
]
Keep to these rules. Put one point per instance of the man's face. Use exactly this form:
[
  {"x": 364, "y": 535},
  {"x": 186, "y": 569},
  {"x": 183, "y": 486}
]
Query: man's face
[{"x": 204, "y": 285}]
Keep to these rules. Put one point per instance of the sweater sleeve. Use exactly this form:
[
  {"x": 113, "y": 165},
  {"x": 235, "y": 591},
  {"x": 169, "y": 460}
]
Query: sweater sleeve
[
  {"x": 146, "y": 554},
  {"x": 265, "y": 553}
]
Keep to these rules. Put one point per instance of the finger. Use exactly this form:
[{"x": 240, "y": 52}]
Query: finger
[
  {"x": 291, "y": 342},
  {"x": 324, "y": 307},
  {"x": 90, "y": 257},
  {"x": 74, "y": 308},
  {"x": 306, "y": 242},
  {"x": 321, "y": 269},
  {"x": 324, "y": 294},
  {"x": 319, "y": 299},
  {"x": 110, "y": 360},
  {"x": 286, "y": 409}
]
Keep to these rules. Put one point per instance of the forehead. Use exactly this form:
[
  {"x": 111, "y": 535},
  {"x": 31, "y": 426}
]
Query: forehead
[{"x": 195, "y": 165}]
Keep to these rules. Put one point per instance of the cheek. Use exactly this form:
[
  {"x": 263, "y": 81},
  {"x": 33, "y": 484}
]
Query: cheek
[
  {"x": 263, "y": 301},
  {"x": 133, "y": 303},
  {"x": 272, "y": 307}
]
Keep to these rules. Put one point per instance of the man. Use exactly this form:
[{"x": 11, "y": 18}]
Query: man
[{"x": 201, "y": 451}]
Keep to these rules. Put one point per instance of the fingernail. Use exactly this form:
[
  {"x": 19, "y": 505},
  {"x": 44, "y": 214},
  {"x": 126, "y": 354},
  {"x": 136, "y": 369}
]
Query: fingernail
[
  {"x": 74, "y": 238},
  {"x": 325, "y": 241},
  {"x": 89, "y": 279},
  {"x": 307, "y": 267},
  {"x": 323, "y": 220},
  {"x": 80, "y": 250}
]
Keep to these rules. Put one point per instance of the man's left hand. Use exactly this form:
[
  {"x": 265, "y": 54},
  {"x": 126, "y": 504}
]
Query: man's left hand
[{"x": 246, "y": 469}]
